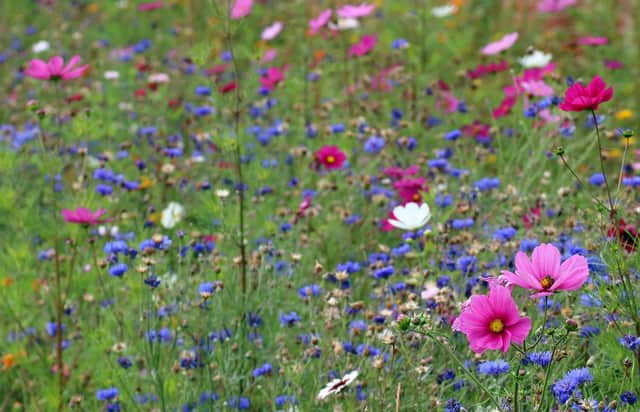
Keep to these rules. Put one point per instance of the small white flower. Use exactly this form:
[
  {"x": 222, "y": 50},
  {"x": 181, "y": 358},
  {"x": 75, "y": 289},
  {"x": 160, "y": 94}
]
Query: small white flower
[
  {"x": 111, "y": 75},
  {"x": 344, "y": 24},
  {"x": 172, "y": 215},
  {"x": 40, "y": 46},
  {"x": 411, "y": 216},
  {"x": 222, "y": 193},
  {"x": 159, "y": 78},
  {"x": 443, "y": 11},
  {"x": 535, "y": 59},
  {"x": 337, "y": 385}
]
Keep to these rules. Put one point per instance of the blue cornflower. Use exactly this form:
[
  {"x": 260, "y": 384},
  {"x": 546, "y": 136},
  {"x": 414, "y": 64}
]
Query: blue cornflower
[
  {"x": 289, "y": 319},
  {"x": 104, "y": 190},
  {"x": 107, "y": 394},
  {"x": 309, "y": 291},
  {"x": 487, "y": 183},
  {"x": 452, "y": 406},
  {"x": 401, "y": 250},
  {"x": 628, "y": 397},
  {"x": 374, "y": 144},
  {"x": 447, "y": 375},
  {"x": 239, "y": 403},
  {"x": 118, "y": 269},
  {"x": 265, "y": 369},
  {"x": 588, "y": 331},
  {"x": 384, "y": 273},
  {"x": 493, "y": 368},
  {"x": 596, "y": 179},
  {"x": 206, "y": 289},
  {"x": 630, "y": 342},
  {"x": 538, "y": 358},
  {"x": 504, "y": 234},
  {"x": 564, "y": 388},
  {"x": 453, "y": 135},
  {"x": 357, "y": 326}
]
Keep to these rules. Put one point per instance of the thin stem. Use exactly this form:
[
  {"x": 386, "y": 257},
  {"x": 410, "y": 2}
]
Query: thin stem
[
  {"x": 624, "y": 158},
  {"x": 457, "y": 360},
  {"x": 604, "y": 174},
  {"x": 59, "y": 313},
  {"x": 564, "y": 162}
]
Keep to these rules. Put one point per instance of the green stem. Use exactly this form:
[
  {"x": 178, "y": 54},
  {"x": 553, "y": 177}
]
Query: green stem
[
  {"x": 470, "y": 374},
  {"x": 604, "y": 174}
]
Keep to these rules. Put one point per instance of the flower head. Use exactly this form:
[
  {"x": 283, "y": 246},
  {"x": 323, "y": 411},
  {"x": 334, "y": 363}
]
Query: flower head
[
  {"x": 354, "y": 12},
  {"x": 172, "y": 215},
  {"x": 55, "y": 69},
  {"x": 241, "y": 8},
  {"x": 319, "y": 22},
  {"x": 270, "y": 32},
  {"x": 501, "y": 45},
  {"x": 545, "y": 274},
  {"x": 331, "y": 157},
  {"x": 554, "y": 6},
  {"x": 578, "y": 98},
  {"x": 410, "y": 216},
  {"x": 84, "y": 216},
  {"x": 492, "y": 321},
  {"x": 337, "y": 385},
  {"x": 364, "y": 46}
]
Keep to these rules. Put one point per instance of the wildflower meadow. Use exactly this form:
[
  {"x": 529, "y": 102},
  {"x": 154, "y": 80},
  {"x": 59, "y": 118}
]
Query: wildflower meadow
[{"x": 319, "y": 205}]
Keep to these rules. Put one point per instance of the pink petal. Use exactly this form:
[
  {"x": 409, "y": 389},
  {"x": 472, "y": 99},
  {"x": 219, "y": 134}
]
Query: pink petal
[
  {"x": 37, "y": 69},
  {"x": 546, "y": 260},
  {"x": 573, "y": 273},
  {"x": 55, "y": 65}
]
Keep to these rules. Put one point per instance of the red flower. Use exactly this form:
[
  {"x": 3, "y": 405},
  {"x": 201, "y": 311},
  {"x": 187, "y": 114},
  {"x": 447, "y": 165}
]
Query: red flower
[
  {"x": 409, "y": 189},
  {"x": 229, "y": 87},
  {"x": 331, "y": 157},
  {"x": 578, "y": 98},
  {"x": 626, "y": 234}
]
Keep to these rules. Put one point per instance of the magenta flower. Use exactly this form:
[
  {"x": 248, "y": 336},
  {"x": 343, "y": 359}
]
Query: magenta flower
[
  {"x": 364, "y": 46},
  {"x": 593, "y": 41},
  {"x": 151, "y": 5},
  {"x": 84, "y": 216},
  {"x": 353, "y": 12},
  {"x": 554, "y": 6},
  {"x": 492, "y": 321},
  {"x": 272, "y": 77},
  {"x": 241, "y": 8},
  {"x": 578, "y": 98},
  {"x": 545, "y": 274},
  {"x": 331, "y": 157},
  {"x": 501, "y": 45},
  {"x": 319, "y": 22},
  {"x": 55, "y": 69}
]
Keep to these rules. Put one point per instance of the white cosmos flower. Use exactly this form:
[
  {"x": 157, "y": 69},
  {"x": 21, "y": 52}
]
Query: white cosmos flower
[
  {"x": 411, "y": 216},
  {"x": 40, "y": 46},
  {"x": 172, "y": 215},
  {"x": 535, "y": 59},
  {"x": 111, "y": 75},
  {"x": 344, "y": 24},
  {"x": 337, "y": 385},
  {"x": 443, "y": 11}
]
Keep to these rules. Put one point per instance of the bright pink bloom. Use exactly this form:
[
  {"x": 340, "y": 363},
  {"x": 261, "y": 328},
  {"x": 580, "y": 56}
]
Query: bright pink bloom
[
  {"x": 613, "y": 64},
  {"x": 545, "y": 274},
  {"x": 505, "y": 107},
  {"x": 554, "y": 6},
  {"x": 354, "y": 12},
  {"x": 364, "y": 46},
  {"x": 492, "y": 321},
  {"x": 578, "y": 98},
  {"x": 270, "y": 32},
  {"x": 593, "y": 41},
  {"x": 482, "y": 70},
  {"x": 331, "y": 157},
  {"x": 241, "y": 8},
  {"x": 409, "y": 189},
  {"x": 501, "y": 45},
  {"x": 55, "y": 69},
  {"x": 84, "y": 216},
  {"x": 272, "y": 77},
  {"x": 396, "y": 172},
  {"x": 319, "y": 22},
  {"x": 152, "y": 5}
]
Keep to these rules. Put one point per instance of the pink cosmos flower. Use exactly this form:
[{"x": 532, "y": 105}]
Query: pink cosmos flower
[
  {"x": 364, "y": 46},
  {"x": 578, "y": 98},
  {"x": 319, "y": 22},
  {"x": 545, "y": 274},
  {"x": 593, "y": 41},
  {"x": 501, "y": 45},
  {"x": 270, "y": 32},
  {"x": 396, "y": 172},
  {"x": 331, "y": 157},
  {"x": 613, "y": 64},
  {"x": 84, "y": 216},
  {"x": 55, "y": 69},
  {"x": 409, "y": 189},
  {"x": 268, "y": 56},
  {"x": 492, "y": 321},
  {"x": 554, "y": 6},
  {"x": 152, "y": 5},
  {"x": 241, "y": 8},
  {"x": 272, "y": 77},
  {"x": 354, "y": 12}
]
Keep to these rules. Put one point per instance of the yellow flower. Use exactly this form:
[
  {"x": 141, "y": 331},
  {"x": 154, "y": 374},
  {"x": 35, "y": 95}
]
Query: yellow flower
[{"x": 624, "y": 114}]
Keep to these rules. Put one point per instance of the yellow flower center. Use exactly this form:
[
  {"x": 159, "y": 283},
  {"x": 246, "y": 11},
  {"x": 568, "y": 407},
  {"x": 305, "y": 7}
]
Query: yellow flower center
[
  {"x": 496, "y": 326},
  {"x": 331, "y": 159},
  {"x": 416, "y": 197},
  {"x": 546, "y": 282}
]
